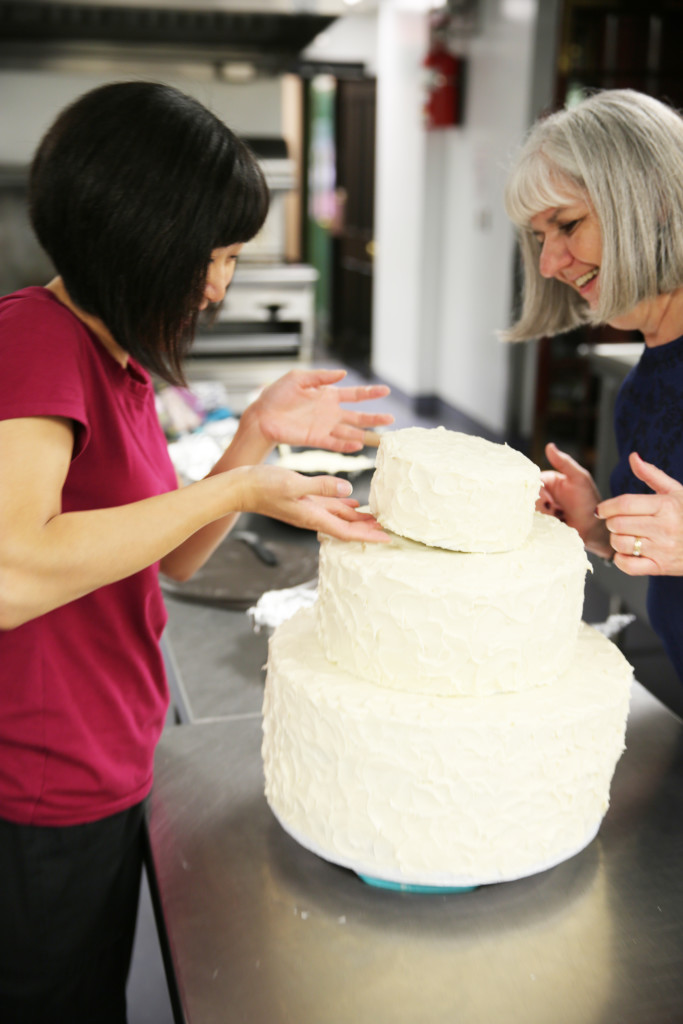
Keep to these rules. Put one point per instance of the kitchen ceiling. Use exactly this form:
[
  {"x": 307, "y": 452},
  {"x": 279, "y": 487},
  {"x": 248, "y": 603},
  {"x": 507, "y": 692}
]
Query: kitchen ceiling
[
  {"x": 270, "y": 34},
  {"x": 264, "y": 6}
]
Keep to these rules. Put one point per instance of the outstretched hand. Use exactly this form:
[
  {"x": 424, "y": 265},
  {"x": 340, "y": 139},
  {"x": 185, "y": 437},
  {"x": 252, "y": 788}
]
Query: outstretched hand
[
  {"x": 302, "y": 408},
  {"x": 655, "y": 520},
  {"x": 319, "y": 503},
  {"x": 569, "y": 493}
]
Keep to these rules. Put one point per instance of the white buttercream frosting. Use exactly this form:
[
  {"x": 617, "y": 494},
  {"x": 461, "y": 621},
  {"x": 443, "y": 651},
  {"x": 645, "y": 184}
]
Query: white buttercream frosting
[
  {"x": 441, "y": 716},
  {"x": 453, "y": 490},
  {"x": 411, "y": 617},
  {"x": 429, "y": 789}
]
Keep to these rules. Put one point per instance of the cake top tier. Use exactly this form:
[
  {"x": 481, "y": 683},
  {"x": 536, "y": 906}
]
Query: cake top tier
[
  {"x": 474, "y": 457},
  {"x": 453, "y": 490}
]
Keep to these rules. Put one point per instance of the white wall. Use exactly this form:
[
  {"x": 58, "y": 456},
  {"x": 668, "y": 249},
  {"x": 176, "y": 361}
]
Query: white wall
[
  {"x": 351, "y": 39},
  {"x": 30, "y": 100},
  {"x": 443, "y": 274},
  {"x": 477, "y": 260},
  {"x": 400, "y": 186}
]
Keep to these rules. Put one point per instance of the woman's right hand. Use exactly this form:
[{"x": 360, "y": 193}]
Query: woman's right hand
[
  {"x": 569, "y": 493},
  {"x": 49, "y": 557},
  {"x": 319, "y": 503}
]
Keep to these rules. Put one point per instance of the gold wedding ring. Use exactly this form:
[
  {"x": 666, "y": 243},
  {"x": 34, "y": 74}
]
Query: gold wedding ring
[{"x": 637, "y": 545}]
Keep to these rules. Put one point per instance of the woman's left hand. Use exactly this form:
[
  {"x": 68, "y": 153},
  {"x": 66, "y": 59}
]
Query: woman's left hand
[
  {"x": 647, "y": 529},
  {"x": 302, "y": 408}
]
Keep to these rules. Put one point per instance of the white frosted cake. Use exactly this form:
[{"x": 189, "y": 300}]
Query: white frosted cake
[
  {"x": 452, "y": 490},
  {"x": 411, "y": 617},
  {"x": 444, "y": 718},
  {"x": 432, "y": 790}
]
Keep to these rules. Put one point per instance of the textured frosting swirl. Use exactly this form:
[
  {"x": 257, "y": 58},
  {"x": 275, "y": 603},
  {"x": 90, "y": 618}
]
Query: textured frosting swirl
[
  {"x": 453, "y": 490},
  {"x": 411, "y": 617},
  {"x": 427, "y": 789}
]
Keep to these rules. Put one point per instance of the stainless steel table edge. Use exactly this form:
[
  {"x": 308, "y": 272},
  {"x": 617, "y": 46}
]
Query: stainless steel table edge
[{"x": 258, "y": 929}]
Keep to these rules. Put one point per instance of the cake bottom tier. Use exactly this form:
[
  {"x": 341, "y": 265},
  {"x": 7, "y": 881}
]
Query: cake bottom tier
[{"x": 430, "y": 790}]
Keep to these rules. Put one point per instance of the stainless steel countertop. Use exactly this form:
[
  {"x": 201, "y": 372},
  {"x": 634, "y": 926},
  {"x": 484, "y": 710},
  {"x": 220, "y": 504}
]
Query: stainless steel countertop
[
  {"x": 262, "y": 931},
  {"x": 275, "y": 274},
  {"x": 613, "y": 357}
]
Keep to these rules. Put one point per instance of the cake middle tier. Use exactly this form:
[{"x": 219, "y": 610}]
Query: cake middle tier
[{"x": 421, "y": 619}]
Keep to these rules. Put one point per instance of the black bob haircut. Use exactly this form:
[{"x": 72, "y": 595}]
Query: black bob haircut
[{"x": 130, "y": 190}]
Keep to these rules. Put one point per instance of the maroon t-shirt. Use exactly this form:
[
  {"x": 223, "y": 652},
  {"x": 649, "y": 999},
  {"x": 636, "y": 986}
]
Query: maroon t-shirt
[{"x": 83, "y": 693}]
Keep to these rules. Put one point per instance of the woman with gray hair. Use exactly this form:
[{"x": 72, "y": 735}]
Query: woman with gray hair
[{"x": 597, "y": 195}]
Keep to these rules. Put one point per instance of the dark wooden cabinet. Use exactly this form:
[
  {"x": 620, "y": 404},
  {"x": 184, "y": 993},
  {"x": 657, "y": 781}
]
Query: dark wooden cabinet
[
  {"x": 621, "y": 44},
  {"x": 568, "y": 393},
  {"x": 353, "y": 244}
]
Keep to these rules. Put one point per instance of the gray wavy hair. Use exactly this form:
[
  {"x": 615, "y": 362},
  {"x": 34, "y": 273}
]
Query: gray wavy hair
[{"x": 621, "y": 151}]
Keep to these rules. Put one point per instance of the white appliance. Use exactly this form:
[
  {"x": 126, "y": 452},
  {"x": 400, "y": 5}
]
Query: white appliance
[{"x": 266, "y": 323}]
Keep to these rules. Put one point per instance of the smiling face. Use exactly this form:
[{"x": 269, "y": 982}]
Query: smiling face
[
  {"x": 571, "y": 252},
  {"x": 571, "y": 247},
  {"x": 219, "y": 274}
]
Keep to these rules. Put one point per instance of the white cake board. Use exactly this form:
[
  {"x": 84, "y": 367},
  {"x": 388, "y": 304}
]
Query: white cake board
[{"x": 438, "y": 880}]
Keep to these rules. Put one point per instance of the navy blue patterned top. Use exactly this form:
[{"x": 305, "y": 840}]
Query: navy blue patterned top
[{"x": 648, "y": 419}]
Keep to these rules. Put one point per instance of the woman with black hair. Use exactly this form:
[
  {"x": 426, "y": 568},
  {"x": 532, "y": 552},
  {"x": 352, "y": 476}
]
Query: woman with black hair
[{"x": 142, "y": 199}]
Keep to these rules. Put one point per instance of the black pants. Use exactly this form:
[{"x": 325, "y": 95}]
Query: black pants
[{"x": 68, "y": 906}]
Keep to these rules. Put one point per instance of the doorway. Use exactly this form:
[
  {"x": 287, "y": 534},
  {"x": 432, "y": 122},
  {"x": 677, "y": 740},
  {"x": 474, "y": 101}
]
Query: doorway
[{"x": 339, "y": 228}]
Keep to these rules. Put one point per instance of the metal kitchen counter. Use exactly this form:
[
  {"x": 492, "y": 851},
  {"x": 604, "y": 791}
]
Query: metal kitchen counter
[
  {"x": 262, "y": 931},
  {"x": 214, "y": 659},
  {"x": 610, "y": 362}
]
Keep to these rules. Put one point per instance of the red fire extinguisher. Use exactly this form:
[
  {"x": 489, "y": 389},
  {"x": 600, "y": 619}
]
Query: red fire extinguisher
[{"x": 443, "y": 100}]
